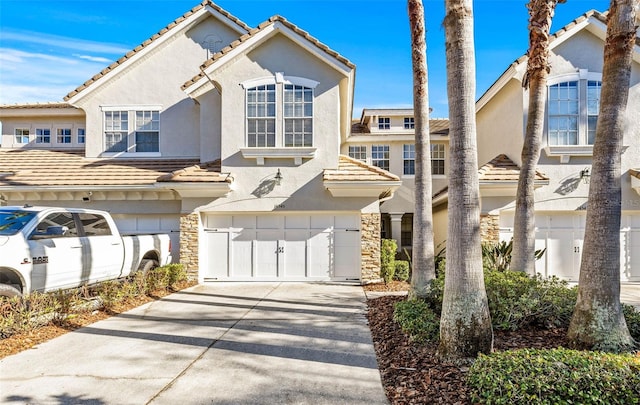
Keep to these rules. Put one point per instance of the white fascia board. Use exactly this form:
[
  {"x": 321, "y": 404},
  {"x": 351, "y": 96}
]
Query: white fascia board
[
  {"x": 182, "y": 26},
  {"x": 635, "y": 184},
  {"x": 43, "y": 189},
  {"x": 361, "y": 188},
  {"x": 509, "y": 74},
  {"x": 40, "y": 112},
  {"x": 381, "y": 138}
]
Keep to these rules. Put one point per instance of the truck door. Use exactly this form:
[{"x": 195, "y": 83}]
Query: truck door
[
  {"x": 56, "y": 253},
  {"x": 104, "y": 251}
]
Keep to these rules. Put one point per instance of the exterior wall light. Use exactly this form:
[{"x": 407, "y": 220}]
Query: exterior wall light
[
  {"x": 585, "y": 175},
  {"x": 278, "y": 178}
]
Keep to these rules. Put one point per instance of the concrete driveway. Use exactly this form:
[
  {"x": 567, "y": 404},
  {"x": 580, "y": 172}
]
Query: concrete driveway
[{"x": 228, "y": 343}]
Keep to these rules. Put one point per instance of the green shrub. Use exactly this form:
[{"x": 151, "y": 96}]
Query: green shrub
[
  {"x": 387, "y": 259},
  {"x": 402, "y": 270},
  {"x": 517, "y": 300},
  {"x": 417, "y": 320},
  {"x": 557, "y": 376},
  {"x": 632, "y": 316}
]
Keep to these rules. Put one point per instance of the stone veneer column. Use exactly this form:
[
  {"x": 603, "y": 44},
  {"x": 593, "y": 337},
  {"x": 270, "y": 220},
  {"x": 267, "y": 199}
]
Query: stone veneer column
[
  {"x": 490, "y": 228},
  {"x": 370, "y": 238},
  {"x": 189, "y": 243}
]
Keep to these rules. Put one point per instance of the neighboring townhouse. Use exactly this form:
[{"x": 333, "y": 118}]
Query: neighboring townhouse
[
  {"x": 574, "y": 86},
  {"x": 386, "y": 138},
  {"x": 237, "y": 156}
]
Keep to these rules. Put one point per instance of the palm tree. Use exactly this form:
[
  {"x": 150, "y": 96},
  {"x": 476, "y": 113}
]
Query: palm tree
[
  {"x": 598, "y": 322},
  {"x": 524, "y": 238},
  {"x": 423, "y": 250},
  {"x": 465, "y": 324}
]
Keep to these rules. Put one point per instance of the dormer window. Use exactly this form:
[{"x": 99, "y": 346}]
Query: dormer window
[{"x": 384, "y": 123}]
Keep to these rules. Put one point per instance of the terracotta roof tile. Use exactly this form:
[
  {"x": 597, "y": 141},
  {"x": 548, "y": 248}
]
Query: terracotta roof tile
[
  {"x": 253, "y": 32},
  {"x": 202, "y": 173},
  {"x": 154, "y": 37},
  {"x": 37, "y": 105},
  {"x": 50, "y": 168},
  {"x": 350, "y": 169},
  {"x": 503, "y": 168},
  {"x": 635, "y": 173}
]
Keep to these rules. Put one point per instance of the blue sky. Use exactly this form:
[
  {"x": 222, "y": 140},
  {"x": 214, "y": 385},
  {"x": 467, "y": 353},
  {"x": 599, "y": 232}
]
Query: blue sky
[{"x": 49, "y": 47}]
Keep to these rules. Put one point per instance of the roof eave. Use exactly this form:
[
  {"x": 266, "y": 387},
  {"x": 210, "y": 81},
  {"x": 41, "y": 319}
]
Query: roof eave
[{"x": 359, "y": 188}]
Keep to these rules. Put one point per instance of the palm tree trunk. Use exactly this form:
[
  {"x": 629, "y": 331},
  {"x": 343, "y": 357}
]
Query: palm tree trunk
[
  {"x": 598, "y": 322},
  {"x": 423, "y": 250},
  {"x": 465, "y": 324},
  {"x": 524, "y": 238}
]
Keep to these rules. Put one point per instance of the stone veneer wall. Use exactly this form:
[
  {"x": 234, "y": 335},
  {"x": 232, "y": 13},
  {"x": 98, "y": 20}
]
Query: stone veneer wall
[
  {"x": 490, "y": 228},
  {"x": 189, "y": 243},
  {"x": 370, "y": 238}
]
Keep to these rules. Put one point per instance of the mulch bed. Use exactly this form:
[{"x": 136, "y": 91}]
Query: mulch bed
[{"x": 412, "y": 374}]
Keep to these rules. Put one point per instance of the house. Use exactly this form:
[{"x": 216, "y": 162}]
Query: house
[
  {"x": 236, "y": 155},
  {"x": 246, "y": 152},
  {"x": 384, "y": 138}
]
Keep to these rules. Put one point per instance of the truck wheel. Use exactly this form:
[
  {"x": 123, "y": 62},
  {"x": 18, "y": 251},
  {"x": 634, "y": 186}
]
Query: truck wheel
[
  {"x": 9, "y": 291},
  {"x": 146, "y": 265}
]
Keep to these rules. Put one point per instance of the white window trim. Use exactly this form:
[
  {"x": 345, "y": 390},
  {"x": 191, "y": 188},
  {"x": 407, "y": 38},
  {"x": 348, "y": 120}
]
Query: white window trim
[
  {"x": 131, "y": 130},
  {"x": 279, "y": 151},
  {"x": 35, "y": 134},
  {"x": 565, "y": 152}
]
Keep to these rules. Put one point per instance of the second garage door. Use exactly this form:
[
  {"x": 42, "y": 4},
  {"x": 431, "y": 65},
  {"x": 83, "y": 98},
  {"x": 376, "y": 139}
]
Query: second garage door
[{"x": 281, "y": 247}]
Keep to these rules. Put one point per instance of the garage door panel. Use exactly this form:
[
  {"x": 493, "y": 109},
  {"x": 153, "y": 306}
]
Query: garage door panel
[
  {"x": 321, "y": 221},
  {"x": 242, "y": 254},
  {"x": 266, "y": 260},
  {"x": 297, "y": 222},
  {"x": 294, "y": 253},
  {"x": 320, "y": 254},
  {"x": 347, "y": 254},
  {"x": 217, "y": 255},
  {"x": 347, "y": 222}
]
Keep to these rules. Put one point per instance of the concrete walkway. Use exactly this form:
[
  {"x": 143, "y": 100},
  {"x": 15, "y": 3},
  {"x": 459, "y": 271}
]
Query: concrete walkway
[{"x": 228, "y": 343}]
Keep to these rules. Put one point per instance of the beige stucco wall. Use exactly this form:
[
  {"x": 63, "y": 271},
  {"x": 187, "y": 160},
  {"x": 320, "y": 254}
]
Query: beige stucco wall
[
  {"x": 51, "y": 122},
  {"x": 156, "y": 79}
]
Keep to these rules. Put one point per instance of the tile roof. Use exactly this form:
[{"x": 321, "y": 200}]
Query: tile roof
[
  {"x": 69, "y": 168},
  {"x": 37, "y": 105},
  {"x": 201, "y": 173},
  {"x": 501, "y": 168},
  {"x": 635, "y": 173},
  {"x": 437, "y": 126},
  {"x": 152, "y": 39},
  {"x": 350, "y": 169},
  {"x": 253, "y": 32}
]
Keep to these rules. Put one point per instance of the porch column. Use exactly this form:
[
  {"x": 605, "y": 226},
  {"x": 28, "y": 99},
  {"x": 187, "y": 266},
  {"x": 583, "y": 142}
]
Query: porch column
[
  {"x": 396, "y": 228},
  {"x": 370, "y": 237}
]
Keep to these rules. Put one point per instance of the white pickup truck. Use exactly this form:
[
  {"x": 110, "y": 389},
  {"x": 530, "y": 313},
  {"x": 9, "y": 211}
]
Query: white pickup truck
[{"x": 47, "y": 248}]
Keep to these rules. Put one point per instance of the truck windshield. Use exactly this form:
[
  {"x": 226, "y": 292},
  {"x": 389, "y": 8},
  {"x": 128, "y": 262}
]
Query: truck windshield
[{"x": 12, "y": 221}]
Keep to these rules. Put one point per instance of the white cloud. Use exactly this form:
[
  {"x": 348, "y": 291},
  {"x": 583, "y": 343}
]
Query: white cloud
[
  {"x": 99, "y": 59},
  {"x": 38, "y": 38}
]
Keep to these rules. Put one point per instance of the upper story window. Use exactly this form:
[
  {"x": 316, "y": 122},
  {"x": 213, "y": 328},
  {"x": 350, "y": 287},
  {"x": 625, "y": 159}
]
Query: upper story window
[
  {"x": 437, "y": 159},
  {"x": 384, "y": 123},
  {"x": 279, "y": 112},
  {"x": 380, "y": 156},
  {"x": 261, "y": 116},
  {"x": 43, "y": 135},
  {"x": 22, "y": 135},
  {"x": 63, "y": 135},
  {"x": 409, "y": 123},
  {"x": 147, "y": 131},
  {"x": 134, "y": 130},
  {"x": 409, "y": 159},
  {"x": 358, "y": 152},
  {"x": 573, "y": 111},
  {"x": 298, "y": 115},
  {"x": 81, "y": 135}
]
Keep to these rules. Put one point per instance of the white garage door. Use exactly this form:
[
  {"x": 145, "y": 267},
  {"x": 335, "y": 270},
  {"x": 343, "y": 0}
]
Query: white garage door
[
  {"x": 562, "y": 235},
  {"x": 281, "y": 247}
]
